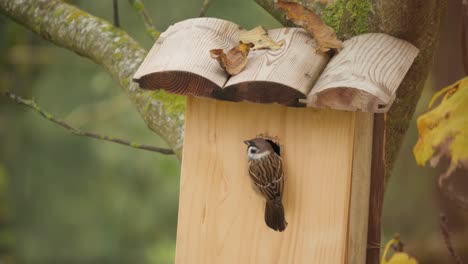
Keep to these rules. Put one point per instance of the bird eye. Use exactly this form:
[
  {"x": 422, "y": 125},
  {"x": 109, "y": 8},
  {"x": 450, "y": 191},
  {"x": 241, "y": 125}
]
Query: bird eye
[{"x": 253, "y": 151}]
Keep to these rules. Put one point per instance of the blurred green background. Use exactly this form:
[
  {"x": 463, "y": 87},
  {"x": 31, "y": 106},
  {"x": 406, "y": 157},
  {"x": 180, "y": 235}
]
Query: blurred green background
[{"x": 66, "y": 199}]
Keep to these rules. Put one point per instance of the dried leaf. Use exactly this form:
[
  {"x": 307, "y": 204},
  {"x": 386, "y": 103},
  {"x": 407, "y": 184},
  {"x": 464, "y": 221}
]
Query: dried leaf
[
  {"x": 399, "y": 257},
  {"x": 443, "y": 131},
  {"x": 306, "y": 18},
  {"x": 259, "y": 38},
  {"x": 235, "y": 60}
]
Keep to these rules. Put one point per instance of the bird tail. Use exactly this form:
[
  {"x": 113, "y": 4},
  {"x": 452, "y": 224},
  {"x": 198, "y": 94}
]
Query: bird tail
[{"x": 274, "y": 215}]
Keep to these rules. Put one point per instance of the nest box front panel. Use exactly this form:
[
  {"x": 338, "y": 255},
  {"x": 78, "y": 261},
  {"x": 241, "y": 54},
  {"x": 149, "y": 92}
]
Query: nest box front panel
[{"x": 221, "y": 217}]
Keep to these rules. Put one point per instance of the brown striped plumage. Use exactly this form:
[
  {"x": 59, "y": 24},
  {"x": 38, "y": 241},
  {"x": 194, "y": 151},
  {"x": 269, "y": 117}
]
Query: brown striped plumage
[{"x": 266, "y": 172}]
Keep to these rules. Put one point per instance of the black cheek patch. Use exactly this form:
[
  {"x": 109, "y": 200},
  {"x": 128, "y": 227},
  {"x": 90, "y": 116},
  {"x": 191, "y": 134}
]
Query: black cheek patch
[{"x": 276, "y": 147}]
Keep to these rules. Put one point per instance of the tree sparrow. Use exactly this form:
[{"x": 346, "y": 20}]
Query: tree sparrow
[{"x": 266, "y": 172}]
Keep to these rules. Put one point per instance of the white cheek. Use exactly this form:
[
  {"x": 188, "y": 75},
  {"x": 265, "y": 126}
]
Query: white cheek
[{"x": 256, "y": 156}]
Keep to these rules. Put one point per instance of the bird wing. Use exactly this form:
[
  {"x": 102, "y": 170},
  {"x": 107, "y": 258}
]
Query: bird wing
[{"x": 268, "y": 176}]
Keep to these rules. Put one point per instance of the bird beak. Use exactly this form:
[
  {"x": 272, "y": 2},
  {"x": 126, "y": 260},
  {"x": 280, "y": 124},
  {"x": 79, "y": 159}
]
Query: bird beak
[{"x": 247, "y": 142}]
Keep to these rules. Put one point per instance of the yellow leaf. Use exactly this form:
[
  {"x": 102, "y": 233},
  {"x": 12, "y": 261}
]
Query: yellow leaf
[
  {"x": 259, "y": 38},
  {"x": 402, "y": 258},
  {"x": 399, "y": 257},
  {"x": 443, "y": 131}
]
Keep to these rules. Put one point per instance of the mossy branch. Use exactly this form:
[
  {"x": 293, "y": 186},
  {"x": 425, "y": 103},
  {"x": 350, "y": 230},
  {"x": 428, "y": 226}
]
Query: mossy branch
[
  {"x": 110, "y": 47},
  {"x": 141, "y": 10},
  {"x": 33, "y": 105}
]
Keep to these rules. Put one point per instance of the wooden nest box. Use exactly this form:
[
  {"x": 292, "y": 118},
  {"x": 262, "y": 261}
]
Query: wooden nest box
[{"x": 326, "y": 152}]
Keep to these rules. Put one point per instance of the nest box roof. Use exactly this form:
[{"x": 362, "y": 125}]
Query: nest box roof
[{"x": 363, "y": 76}]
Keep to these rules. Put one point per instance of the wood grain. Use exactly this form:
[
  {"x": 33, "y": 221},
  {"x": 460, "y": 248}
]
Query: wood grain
[
  {"x": 180, "y": 62},
  {"x": 377, "y": 190},
  {"x": 290, "y": 72},
  {"x": 360, "y": 188},
  {"x": 364, "y": 75},
  {"x": 221, "y": 216}
]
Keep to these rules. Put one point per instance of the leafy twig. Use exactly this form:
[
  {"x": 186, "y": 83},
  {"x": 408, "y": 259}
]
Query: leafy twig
[
  {"x": 204, "y": 8},
  {"x": 448, "y": 242},
  {"x": 32, "y": 104},
  {"x": 150, "y": 28},
  {"x": 116, "y": 13}
]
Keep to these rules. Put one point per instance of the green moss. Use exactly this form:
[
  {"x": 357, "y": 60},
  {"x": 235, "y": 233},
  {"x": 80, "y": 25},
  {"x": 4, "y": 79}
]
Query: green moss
[
  {"x": 126, "y": 82},
  {"x": 147, "y": 106},
  {"x": 135, "y": 145},
  {"x": 117, "y": 56},
  {"x": 58, "y": 12},
  {"x": 173, "y": 104},
  {"x": 153, "y": 33},
  {"x": 348, "y": 15},
  {"x": 138, "y": 5},
  {"x": 76, "y": 15},
  {"x": 37, "y": 23},
  {"x": 333, "y": 13},
  {"x": 359, "y": 11}
]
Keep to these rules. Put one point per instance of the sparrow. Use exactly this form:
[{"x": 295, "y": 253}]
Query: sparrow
[{"x": 266, "y": 173}]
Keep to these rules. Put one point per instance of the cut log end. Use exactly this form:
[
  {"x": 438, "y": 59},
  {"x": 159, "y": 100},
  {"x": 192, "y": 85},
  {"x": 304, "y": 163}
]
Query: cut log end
[
  {"x": 262, "y": 92},
  {"x": 348, "y": 99},
  {"x": 178, "y": 82}
]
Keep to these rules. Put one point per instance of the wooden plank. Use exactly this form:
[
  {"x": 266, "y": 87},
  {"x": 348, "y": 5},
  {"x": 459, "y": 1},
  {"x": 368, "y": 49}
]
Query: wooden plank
[
  {"x": 292, "y": 70},
  {"x": 221, "y": 217},
  {"x": 364, "y": 75},
  {"x": 180, "y": 60},
  {"x": 377, "y": 190},
  {"x": 360, "y": 188}
]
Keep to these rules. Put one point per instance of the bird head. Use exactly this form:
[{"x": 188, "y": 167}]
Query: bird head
[{"x": 258, "y": 148}]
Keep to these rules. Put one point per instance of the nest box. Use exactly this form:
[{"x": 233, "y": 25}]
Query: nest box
[{"x": 295, "y": 95}]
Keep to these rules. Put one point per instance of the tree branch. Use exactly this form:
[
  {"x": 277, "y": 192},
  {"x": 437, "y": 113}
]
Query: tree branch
[
  {"x": 141, "y": 10},
  {"x": 448, "y": 241},
  {"x": 108, "y": 46},
  {"x": 204, "y": 8},
  {"x": 33, "y": 105},
  {"x": 115, "y": 6}
]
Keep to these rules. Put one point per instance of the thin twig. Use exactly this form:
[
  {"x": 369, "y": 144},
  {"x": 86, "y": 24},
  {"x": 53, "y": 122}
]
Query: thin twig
[
  {"x": 116, "y": 13},
  {"x": 205, "y": 6},
  {"x": 448, "y": 242},
  {"x": 141, "y": 10},
  {"x": 32, "y": 104},
  {"x": 464, "y": 35}
]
